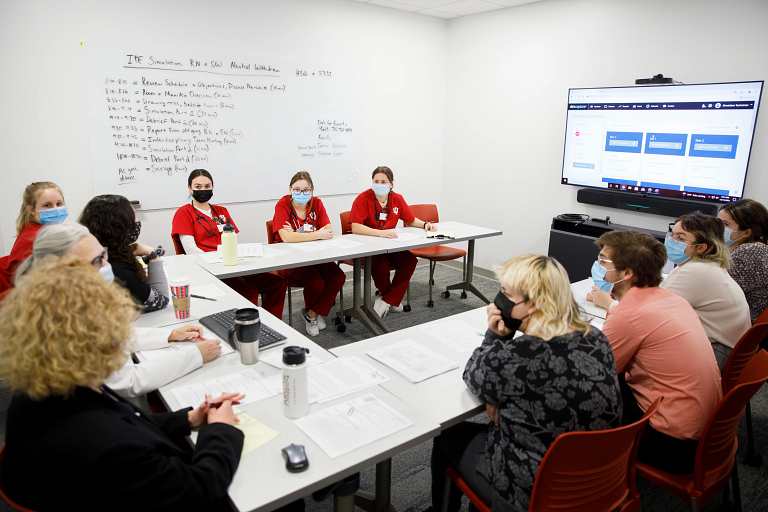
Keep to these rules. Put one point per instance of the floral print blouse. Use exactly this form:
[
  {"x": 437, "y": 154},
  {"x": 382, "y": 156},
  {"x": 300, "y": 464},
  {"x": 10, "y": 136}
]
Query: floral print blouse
[
  {"x": 542, "y": 389},
  {"x": 750, "y": 270}
]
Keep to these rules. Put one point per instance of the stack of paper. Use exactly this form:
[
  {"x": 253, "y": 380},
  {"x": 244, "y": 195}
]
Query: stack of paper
[
  {"x": 340, "y": 377},
  {"x": 412, "y": 360},
  {"x": 458, "y": 335},
  {"x": 248, "y": 381},
  {"x": 348, "y": 426}
]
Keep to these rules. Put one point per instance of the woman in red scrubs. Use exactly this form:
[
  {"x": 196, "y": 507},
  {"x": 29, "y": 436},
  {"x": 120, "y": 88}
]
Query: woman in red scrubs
[
  {"x": 376, "y": 212},
  {"x": 299, "y": 217},
  {"x": 42, "y": 203},
  {"x": 198, "y": 226}
]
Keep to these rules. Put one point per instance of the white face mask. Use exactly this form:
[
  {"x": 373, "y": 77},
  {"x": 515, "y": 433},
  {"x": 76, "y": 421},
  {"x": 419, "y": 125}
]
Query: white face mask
[{"x": 107, "y": 274}]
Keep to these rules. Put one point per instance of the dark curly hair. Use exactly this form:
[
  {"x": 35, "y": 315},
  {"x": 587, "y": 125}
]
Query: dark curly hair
[{"x": 110, "y": 219}]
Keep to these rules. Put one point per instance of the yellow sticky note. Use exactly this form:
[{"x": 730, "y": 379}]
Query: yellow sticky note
[{"x": 256, "y": 433}]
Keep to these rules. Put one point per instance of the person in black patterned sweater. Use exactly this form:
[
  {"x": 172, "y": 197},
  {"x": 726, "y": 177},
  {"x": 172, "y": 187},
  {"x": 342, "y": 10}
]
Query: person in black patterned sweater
[
  {"x": 559, "y": 376},
  {"x": 746, "y": 234}
]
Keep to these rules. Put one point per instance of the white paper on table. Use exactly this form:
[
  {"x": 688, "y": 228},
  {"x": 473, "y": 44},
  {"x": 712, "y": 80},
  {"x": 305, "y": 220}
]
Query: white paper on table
[
  {"x": 317, "y": 245},
  {"x": 248, "y": 381},
  {"x": 580, "y": 290},
  {"x": 211, "y": 257},
  {"x": 351, "y": 425},
  {"x": 405, "y": 236},
  {"x": 413, "y": 360},
  {"x": 342, "y": 376},
  {"x": 271, "y": 252},
  {"x": 206, "y": 290},
  {"x": 176, "y": 346},
  {"x": 456, "y": 334},
  {"x": 339, "y": 243},
  {"x": 275, "y": 358},
  {"x": 597, "y": 322},
  {"x": 250, "y": 250}
]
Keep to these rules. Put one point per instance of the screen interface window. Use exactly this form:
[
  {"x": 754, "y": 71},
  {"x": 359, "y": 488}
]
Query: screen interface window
[{"x": 690, "y": 141}]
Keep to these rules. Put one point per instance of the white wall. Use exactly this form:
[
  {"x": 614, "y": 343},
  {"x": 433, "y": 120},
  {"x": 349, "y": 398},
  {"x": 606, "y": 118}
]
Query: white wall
[
  {"x": 44, "y": 135},
  {"x": 508, "y": 76}
]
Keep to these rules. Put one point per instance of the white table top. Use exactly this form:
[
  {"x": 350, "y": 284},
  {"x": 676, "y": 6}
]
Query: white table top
[
  {"x": 294, "y": 258},
  {"x": 443, "y": 398},
  {"x": 462, "y": 232}
]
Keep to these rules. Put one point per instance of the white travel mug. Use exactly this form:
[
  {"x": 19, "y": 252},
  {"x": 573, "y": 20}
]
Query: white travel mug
[{"x": 295, "y": 382}]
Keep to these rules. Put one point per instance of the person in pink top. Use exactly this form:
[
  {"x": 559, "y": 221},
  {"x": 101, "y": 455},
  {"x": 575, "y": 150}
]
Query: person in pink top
[{"x": 660, "y": 349}]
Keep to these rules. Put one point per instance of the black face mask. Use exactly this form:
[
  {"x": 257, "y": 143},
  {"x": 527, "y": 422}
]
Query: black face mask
[
  {"x": 505, "y": 306},
  {"x": 202, "y": 196}
]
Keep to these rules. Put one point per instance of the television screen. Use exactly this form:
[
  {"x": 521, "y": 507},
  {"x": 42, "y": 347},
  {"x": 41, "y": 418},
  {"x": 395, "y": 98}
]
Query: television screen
[{"x": 690, "y": 141}]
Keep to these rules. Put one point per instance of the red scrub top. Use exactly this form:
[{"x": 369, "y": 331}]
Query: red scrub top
[
  {"x": 21, "y": 250},
  {"x": 316, "y": 219},
  {"x": 366, "y": 207},
  {"x": 206, "y": 230}
]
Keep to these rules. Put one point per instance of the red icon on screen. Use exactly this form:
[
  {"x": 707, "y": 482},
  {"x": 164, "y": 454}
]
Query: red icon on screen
[{"x": 577, "y": 134}]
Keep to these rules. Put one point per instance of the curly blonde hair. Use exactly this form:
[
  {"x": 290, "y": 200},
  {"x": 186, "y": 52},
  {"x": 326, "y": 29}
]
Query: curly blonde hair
[
  {"x": 63, "y": 326},
  {"x": 545, "y": 283}
]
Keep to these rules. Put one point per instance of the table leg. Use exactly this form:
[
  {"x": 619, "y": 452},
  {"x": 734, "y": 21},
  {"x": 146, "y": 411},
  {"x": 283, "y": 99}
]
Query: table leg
[
  {"x": 467, "y": 285},
  {"x": 367, "y": 306},
  {"x": 357, "y": 308},
  {"x": 378, "y": 501}
]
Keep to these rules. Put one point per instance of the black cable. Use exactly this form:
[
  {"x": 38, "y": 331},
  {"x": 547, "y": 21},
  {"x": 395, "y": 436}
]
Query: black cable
[{"x": 581, "y": 218}]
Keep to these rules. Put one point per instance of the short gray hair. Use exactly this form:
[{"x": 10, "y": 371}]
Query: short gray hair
[{"x": 53, "y": 240}]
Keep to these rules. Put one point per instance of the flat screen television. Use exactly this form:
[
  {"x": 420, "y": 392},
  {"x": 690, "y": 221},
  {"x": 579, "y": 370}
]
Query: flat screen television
[{"x": 688, "y": 141}]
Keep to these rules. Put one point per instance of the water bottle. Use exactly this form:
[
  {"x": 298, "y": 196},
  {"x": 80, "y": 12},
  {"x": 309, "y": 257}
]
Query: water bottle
[
  {"x": 229, "y": 245},
  {"x": 245, "y": 333},
  {"x": 295, "y": 382}
]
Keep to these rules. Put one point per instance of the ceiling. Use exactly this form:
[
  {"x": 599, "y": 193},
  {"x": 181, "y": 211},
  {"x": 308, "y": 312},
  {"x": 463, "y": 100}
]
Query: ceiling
[{"x": 447, "y": 8}]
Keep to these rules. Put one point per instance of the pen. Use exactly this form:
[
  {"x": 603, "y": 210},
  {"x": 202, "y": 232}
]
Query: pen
[
  {"x": 201, "y": 338},
  {"x": 201, "y": 297},
  {"x": 216, "y": 405}
]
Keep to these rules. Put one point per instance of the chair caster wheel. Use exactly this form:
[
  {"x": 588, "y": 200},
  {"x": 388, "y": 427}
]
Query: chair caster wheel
[
  {"x": 463, "y": 295},
  {"x": 433, "y": 282},
  {"x": 754, "y": 459},
  {"x": 337, "y": 320},
  {"x": 376, "y": 293},
  {"x": 348, "y": 319},
  {"x": 407, "y": 308},
  {"x": 445, "y": 294},
  {"x": 342, "y": 328},
  {"x": 430, "y": 303}
]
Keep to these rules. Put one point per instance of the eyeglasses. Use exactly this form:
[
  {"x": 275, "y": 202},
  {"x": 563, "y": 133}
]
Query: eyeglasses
[
  {"x": 680, "y": 238},
  {"x": 301, "y": 191},
  {"x": 99, "y": 260}
]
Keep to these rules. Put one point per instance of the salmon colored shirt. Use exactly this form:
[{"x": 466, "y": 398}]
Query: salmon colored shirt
[{"x": 658, "y": 340}]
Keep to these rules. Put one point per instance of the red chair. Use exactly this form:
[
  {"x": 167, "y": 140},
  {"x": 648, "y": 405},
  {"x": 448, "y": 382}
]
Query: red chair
[
  {"x": 2, "y": 491},
  {"x": 428, "y": 213},
  {"x": 291, "y": 282},
  {"x": 741, "y": 354},
  {"x": 575, "y": 477},
  {"x": 762, "y": 318},
  {"x": 346, "y": 228},
  {"x": 177, "y": 244},
  {"x": 715, "y": 460}
]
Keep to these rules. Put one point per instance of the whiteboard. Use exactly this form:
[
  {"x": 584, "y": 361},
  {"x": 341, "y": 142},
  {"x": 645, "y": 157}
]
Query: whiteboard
[{"x": 156, "y": 115}]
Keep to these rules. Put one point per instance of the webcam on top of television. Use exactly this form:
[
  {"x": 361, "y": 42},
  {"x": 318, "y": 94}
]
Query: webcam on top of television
[{"x": 657, "y": 79}]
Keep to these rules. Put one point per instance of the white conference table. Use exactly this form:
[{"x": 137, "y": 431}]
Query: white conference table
[
  {"x": 371, "y": 246},
  {"x": 443, "y": 398}
]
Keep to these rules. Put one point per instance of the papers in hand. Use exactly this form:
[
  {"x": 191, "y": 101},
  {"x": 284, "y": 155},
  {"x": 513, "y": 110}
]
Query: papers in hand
[
  {"x": 342, "y": 376},
  {"x": 458, "y": 335},
  {"x": 413, "y": 360},
  {"x": 350, "y": 425},
  {"x": 248, "y": 381},
  {"x": 405, "y": 236}
]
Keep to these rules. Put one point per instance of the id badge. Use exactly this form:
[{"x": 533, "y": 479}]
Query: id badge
[
  {"x": 308, "y": 228},
  {"x": 382, "y": 216}
]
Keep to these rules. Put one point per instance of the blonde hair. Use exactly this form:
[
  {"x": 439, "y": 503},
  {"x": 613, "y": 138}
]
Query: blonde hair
[
  {"x": 63, "y": 326},
  {"x": 545, "y": 283},
  {"x": 29, "y": 198},
  {"x": 711, "y": 231}
]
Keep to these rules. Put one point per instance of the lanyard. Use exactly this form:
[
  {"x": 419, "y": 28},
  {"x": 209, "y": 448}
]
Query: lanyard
[
  {"x": 381, "y": 218},
  {"x": 210, "y": 229}
]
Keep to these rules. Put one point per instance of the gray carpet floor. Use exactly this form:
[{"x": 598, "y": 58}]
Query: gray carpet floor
[{"x": 410, "y": 470}]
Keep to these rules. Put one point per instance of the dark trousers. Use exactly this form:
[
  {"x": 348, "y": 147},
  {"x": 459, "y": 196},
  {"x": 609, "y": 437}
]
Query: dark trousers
[
  {"x": 271, "y": 287},
  {"x": 657, "y": 449},
  {"x": 461, "y": 446}
]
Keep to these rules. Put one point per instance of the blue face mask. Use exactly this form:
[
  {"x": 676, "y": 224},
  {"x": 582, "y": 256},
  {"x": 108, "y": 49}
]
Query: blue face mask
[
  {"x": 380, "y": 190},
  {"x": 301, "y": 198},
  {"x": 728, "y": 233},
  {"x": 598, "y": 277},
  {"x": 53, "y": 215},
  {"x": 107, "y": 274},
  {"x": 676, "y": 250}
]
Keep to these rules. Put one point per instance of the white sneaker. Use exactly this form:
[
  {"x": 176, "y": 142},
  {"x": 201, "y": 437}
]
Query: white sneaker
[
  {"x": 380, "y": 307},
  {"x": 320, "y": 322},
  {"x": 311, "y": 323},
  {"x": 396, "y": 309}
]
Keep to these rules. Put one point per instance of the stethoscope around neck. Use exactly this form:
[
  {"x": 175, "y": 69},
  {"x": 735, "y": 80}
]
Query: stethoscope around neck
[
  {"x": 293, "y": 215},
  {"x": 210, "y": 229},
  {"x": 381, "y": 217}
]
